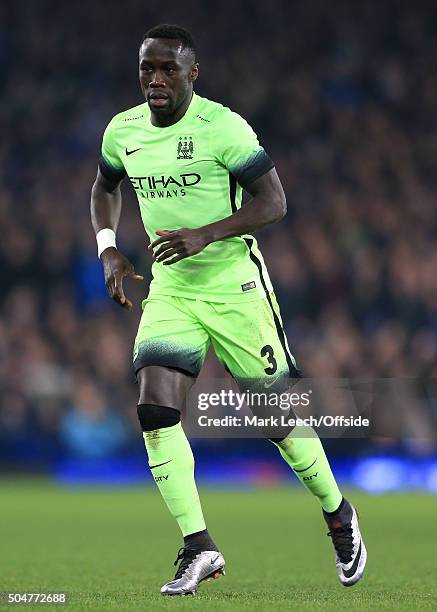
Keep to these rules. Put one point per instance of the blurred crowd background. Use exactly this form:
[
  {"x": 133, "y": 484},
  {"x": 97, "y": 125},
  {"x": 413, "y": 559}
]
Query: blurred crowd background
[{"x": 344, "y": 98}]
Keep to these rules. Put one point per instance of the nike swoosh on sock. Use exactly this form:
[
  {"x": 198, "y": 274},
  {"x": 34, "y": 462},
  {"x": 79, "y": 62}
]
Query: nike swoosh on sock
[
  {"x": 305, "y": 469},
  {"x": 159, "y": 464}
]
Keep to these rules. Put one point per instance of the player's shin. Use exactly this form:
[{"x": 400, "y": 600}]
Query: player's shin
[
  {"x": 304, "y": 453},
  {"x": 171, "y": 462}
]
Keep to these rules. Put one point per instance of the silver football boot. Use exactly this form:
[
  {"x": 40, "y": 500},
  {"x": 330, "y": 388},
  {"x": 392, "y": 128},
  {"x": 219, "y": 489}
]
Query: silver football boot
[
  {"x": 195, "y": 566},
  {"x": 350, "y": 552}
]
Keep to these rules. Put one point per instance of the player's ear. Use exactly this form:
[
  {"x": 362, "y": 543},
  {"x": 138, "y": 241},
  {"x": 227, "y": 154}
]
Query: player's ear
[{"x": 194, "y": 72}]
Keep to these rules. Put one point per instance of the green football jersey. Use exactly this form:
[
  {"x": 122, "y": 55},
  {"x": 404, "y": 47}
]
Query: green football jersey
[{"x": 188, "y": 175}]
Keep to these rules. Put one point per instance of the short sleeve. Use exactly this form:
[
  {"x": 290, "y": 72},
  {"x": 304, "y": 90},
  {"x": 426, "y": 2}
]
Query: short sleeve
[
  {"x": 236, "y": 146},
  {"x": 110, "y": 163}
]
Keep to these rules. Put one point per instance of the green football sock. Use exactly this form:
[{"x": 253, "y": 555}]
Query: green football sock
[
  {"x": 304, "y": 453},
  {"x": 172, "y": 463}
]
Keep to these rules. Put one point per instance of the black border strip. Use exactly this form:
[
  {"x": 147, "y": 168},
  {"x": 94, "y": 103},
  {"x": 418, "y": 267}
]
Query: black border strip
[
  {"x": 293, "y": 371},
  {"x": 233, "y": 192}
]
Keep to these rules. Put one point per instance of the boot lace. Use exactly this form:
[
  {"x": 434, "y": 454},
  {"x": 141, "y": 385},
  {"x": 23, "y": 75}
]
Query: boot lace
[
  {"x": 185, "y": 556},
  {"x": 343, "y": 542}
]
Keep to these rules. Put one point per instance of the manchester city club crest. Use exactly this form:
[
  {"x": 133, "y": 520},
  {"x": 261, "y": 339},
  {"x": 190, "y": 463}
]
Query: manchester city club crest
[{"x": 185, "y": 148}]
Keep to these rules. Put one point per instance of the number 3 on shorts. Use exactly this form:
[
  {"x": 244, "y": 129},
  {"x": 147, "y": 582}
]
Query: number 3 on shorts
[{"x": 267, "y": 351}]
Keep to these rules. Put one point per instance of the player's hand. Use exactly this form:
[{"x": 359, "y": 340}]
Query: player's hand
[
  {"x": 116, "y": 266},
  {"x": 174, "y": 245}
]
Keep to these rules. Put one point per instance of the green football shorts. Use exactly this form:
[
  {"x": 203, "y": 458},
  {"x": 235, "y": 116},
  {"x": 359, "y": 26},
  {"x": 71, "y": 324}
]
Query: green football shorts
[{"x": 247, "y": 337}]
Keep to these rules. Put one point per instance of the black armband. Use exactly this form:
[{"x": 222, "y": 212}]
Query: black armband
[
  {"x": 257, "y": 165},
  {"x": 112, "y": 174}
]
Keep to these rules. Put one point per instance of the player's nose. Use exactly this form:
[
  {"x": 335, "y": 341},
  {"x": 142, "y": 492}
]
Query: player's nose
[{"x": 157, "y": 80}]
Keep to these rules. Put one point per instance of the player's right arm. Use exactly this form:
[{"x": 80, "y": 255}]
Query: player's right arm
[{"x": 105, "y": 213}]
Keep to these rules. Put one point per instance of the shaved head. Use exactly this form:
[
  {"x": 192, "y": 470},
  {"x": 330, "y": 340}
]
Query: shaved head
[{"x": 174, "y": 32}]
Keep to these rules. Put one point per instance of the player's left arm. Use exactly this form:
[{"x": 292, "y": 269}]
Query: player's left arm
[
  {"x": 235, "y": 146},
  {"x": 268, "y": 205}
]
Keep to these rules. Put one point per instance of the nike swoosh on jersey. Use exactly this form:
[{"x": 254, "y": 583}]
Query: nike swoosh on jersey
[
  {"x": 133, "y": 151},
  {"x": 159, "y": 464}
]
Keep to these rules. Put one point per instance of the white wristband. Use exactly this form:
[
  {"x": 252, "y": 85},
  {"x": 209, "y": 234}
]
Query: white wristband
[{"x": 105, "y": 239}]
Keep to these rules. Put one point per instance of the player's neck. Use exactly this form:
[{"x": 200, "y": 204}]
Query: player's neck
[{"x": 167, "y": 120}]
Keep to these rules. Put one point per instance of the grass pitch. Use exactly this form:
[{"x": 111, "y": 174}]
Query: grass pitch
[{"x": 113, "y": 549}]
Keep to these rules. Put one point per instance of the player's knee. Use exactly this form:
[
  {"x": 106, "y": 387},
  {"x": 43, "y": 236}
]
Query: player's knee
[
  {"x": 280, "y": 433},
  {"x": 153, "y": 417}
]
